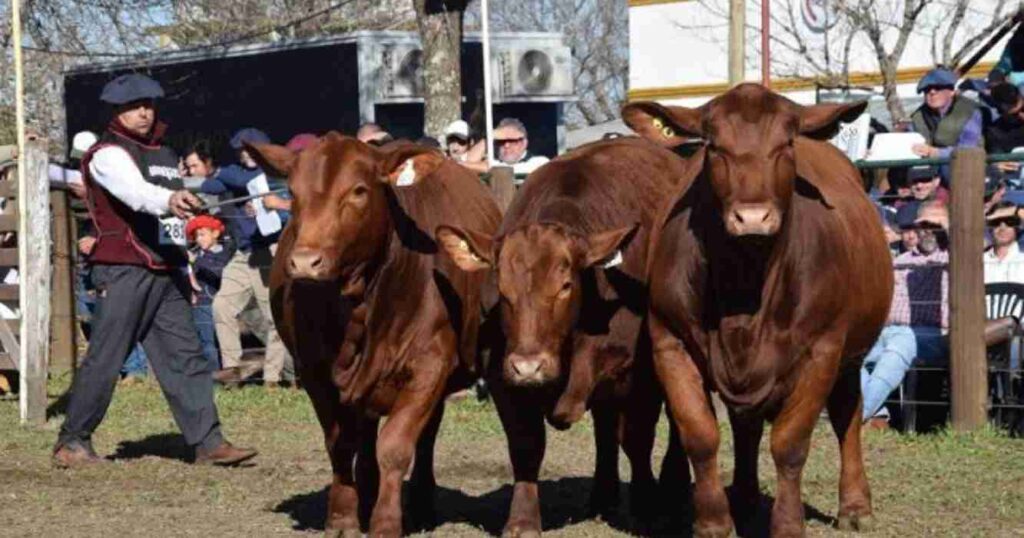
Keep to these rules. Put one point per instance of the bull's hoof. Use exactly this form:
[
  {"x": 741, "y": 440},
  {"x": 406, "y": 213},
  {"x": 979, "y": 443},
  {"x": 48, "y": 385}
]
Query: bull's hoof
[
  {"x": 342, "y": 533},
  {"x": 386, "y": 528},
  {"x": 712, "y": 531},
  {"x": 521, "y": 529},
  {"x": 856, "y": 522}
]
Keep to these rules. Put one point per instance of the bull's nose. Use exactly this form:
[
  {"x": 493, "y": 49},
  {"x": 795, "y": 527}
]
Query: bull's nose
[
  {"x": 526, "y": 367},
  {"x": 754, "y": 219},
  {"x": 307, "y": 263}
]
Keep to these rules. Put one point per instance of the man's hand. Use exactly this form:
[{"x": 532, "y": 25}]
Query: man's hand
[
  {"x": 77, "y": 189},
  {"x": 86, "y": 244},
  {"x": 924, "y": 150},
  {"x": 183, "y": 204},
  {"x": 1008, "y": 166},
  {"x": 273, "y": 201}
]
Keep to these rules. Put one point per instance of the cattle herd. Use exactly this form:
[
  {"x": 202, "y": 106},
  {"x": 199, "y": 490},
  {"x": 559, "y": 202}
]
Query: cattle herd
[{"x": 724, "y": 250}]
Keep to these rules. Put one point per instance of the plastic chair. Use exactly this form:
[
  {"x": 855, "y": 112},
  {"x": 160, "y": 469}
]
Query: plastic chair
[{"x": 1005, "y": 300}]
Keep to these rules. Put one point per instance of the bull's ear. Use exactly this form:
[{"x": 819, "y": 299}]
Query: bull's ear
[
  {"x": 409, "y": 163},
  {"x": 276, "y": 158},
  {"x": 668, "y": 126},
  {"x": 471, "y": 251},
  {"x": 607, "y": 246},
  {"x": 822, "y": 121}
]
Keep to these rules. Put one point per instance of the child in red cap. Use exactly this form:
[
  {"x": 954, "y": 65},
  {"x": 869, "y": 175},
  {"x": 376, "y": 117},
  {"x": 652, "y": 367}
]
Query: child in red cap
[{"x": 206, "y": 263}]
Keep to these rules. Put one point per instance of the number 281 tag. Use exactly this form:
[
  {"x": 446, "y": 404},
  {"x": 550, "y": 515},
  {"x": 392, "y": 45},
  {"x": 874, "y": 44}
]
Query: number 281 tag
[{"x": 172, "y": 232}]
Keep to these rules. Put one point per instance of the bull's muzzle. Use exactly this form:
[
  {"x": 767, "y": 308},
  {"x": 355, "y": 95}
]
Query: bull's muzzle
[
  {"x": 528, "y": 370},
  {"x": 753, "y": 219},
  {"x": 309, "y": 264}
]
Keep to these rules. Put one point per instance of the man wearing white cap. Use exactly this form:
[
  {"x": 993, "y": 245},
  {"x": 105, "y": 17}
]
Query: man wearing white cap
[{"x": 456, "y": 140}]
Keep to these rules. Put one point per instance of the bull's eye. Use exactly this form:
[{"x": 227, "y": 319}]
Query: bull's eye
[
  {"x": 360, "y": 190},
  {"x": 565, "y": 291}
]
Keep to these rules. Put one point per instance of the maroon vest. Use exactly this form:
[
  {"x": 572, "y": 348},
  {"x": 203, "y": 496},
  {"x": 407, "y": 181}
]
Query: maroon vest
[{"x": 125, "y": 236}]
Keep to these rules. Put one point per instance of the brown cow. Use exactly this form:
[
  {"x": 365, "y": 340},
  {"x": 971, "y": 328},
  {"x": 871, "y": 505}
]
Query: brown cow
[
  {"x": 571, "y": 327},
  {"x": 770, "y": 280},
  {"x": 378, "y": 320}
]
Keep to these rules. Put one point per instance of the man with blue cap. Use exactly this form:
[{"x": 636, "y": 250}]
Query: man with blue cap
[
  {"x": 945, "y": 119},
  {"x": 137, "y": 203},
  {"x": 246, "y": 276}
]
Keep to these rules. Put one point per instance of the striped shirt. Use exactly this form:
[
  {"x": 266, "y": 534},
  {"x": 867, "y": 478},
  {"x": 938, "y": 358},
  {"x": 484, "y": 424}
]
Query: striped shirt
[{"x": 921, "y": 292}]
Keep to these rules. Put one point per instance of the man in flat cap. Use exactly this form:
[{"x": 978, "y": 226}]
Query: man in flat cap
[
  {"x": 132, "y": 183},
  {"x": 945, "y": 119}
]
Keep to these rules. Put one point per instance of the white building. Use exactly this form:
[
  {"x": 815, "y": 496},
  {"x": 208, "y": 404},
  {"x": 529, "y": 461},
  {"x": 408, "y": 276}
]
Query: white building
[{"x": 679, "y": 48}]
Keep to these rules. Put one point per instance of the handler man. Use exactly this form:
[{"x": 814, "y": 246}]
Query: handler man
[{"x": 132, "y": 183}]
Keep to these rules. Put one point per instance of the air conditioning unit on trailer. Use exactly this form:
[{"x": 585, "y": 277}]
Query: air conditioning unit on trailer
[
  {"x": 537, "y": 73},
  {"x": 400, "y": 71}
]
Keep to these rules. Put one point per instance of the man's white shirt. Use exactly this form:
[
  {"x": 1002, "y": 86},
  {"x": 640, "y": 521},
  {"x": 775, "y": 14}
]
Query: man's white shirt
[
  {"x": 113, "y": 169},
  {"x": 1008, "y": 269}
]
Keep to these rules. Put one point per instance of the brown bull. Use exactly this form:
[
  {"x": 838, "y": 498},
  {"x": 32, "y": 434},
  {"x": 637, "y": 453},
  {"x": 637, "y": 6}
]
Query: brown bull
[
  {"x": 379, "y": 322},
  {"x": 570, "y": 258},
  {"x": 770, "y": 280}
]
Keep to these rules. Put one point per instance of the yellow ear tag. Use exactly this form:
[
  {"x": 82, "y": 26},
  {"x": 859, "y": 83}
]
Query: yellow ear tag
[{"x": 656, "y": 122}]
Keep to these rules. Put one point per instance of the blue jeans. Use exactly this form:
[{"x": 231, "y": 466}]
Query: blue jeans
[
  {"x": 202, "y": 314},
  {"x": 891, "y": 357},
  {"x": 135, "y": 364}
]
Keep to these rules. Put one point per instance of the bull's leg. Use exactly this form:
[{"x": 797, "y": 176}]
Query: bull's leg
[
  {"x": 844, "y": 411},
  {"x": 523, "y": 421},
  {"x": 395, "y": 446},
  {"x": 604, "y": 498},
  {"x": 791, "y": 435},
  {"x": 638, "y": 421},
  {"x": 422, "y": 485},
  {"x": 340, "y": 435},
  {"x": 367, "y": 472},
  {"x": 746, "y": 490},
  {"x": 695, "y": 420},
  {"x": 674, "y": 477}
]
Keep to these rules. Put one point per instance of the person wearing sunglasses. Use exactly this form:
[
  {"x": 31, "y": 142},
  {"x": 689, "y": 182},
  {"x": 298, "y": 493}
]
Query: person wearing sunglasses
[
  {"x": 945, "y": 119},
  {"x": 1004, "y": 261},
  {"x": 511, "y": 142}
]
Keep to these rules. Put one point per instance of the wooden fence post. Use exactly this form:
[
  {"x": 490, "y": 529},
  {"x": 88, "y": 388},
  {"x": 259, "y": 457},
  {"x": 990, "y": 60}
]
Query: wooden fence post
[
  {"x": 503, "y": 184},
  {"x": 62, "y": 300},
  {"x": 968, "y": 364},
  {"x": 34, "y": 272}
]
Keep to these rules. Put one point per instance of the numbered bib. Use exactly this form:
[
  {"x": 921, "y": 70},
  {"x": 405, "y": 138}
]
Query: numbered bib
[{"x": 172, "y": 232}]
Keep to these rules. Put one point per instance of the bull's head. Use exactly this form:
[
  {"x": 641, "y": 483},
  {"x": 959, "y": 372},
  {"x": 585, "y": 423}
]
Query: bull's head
[
  {"x": 749, "y": 133},
  {"x": 340, "y": 207},
  {"x": 539, "y": 270}
]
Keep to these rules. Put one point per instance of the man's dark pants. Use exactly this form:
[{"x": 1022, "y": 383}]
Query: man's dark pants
[{"x": 135, "y": 304}]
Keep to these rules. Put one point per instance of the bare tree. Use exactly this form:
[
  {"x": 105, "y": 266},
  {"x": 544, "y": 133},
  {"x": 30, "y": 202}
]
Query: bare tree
[
  {"x": 60, "y": 34},
  {"x": 598, "y": 34},
  {"x": 440, "y": 26},
  {"x": 885, "y": 27}
]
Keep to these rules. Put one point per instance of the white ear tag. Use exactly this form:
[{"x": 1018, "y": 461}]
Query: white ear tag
[
  {"x": 616, "y": 260},
  {"x": 408, "y": 175}
]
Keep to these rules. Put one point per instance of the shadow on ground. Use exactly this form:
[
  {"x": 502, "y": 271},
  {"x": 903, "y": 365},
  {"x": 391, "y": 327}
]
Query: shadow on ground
[
  {"x": 163, "y": 445},
  {"x": 564, "y": 502}
]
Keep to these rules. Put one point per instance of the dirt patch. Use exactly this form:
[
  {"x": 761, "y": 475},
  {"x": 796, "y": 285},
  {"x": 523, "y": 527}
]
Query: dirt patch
[{"x": 944, "y": 484}]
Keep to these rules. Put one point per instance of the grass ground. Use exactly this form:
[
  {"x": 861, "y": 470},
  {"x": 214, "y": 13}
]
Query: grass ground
[{"x": 937, "y": 485}]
